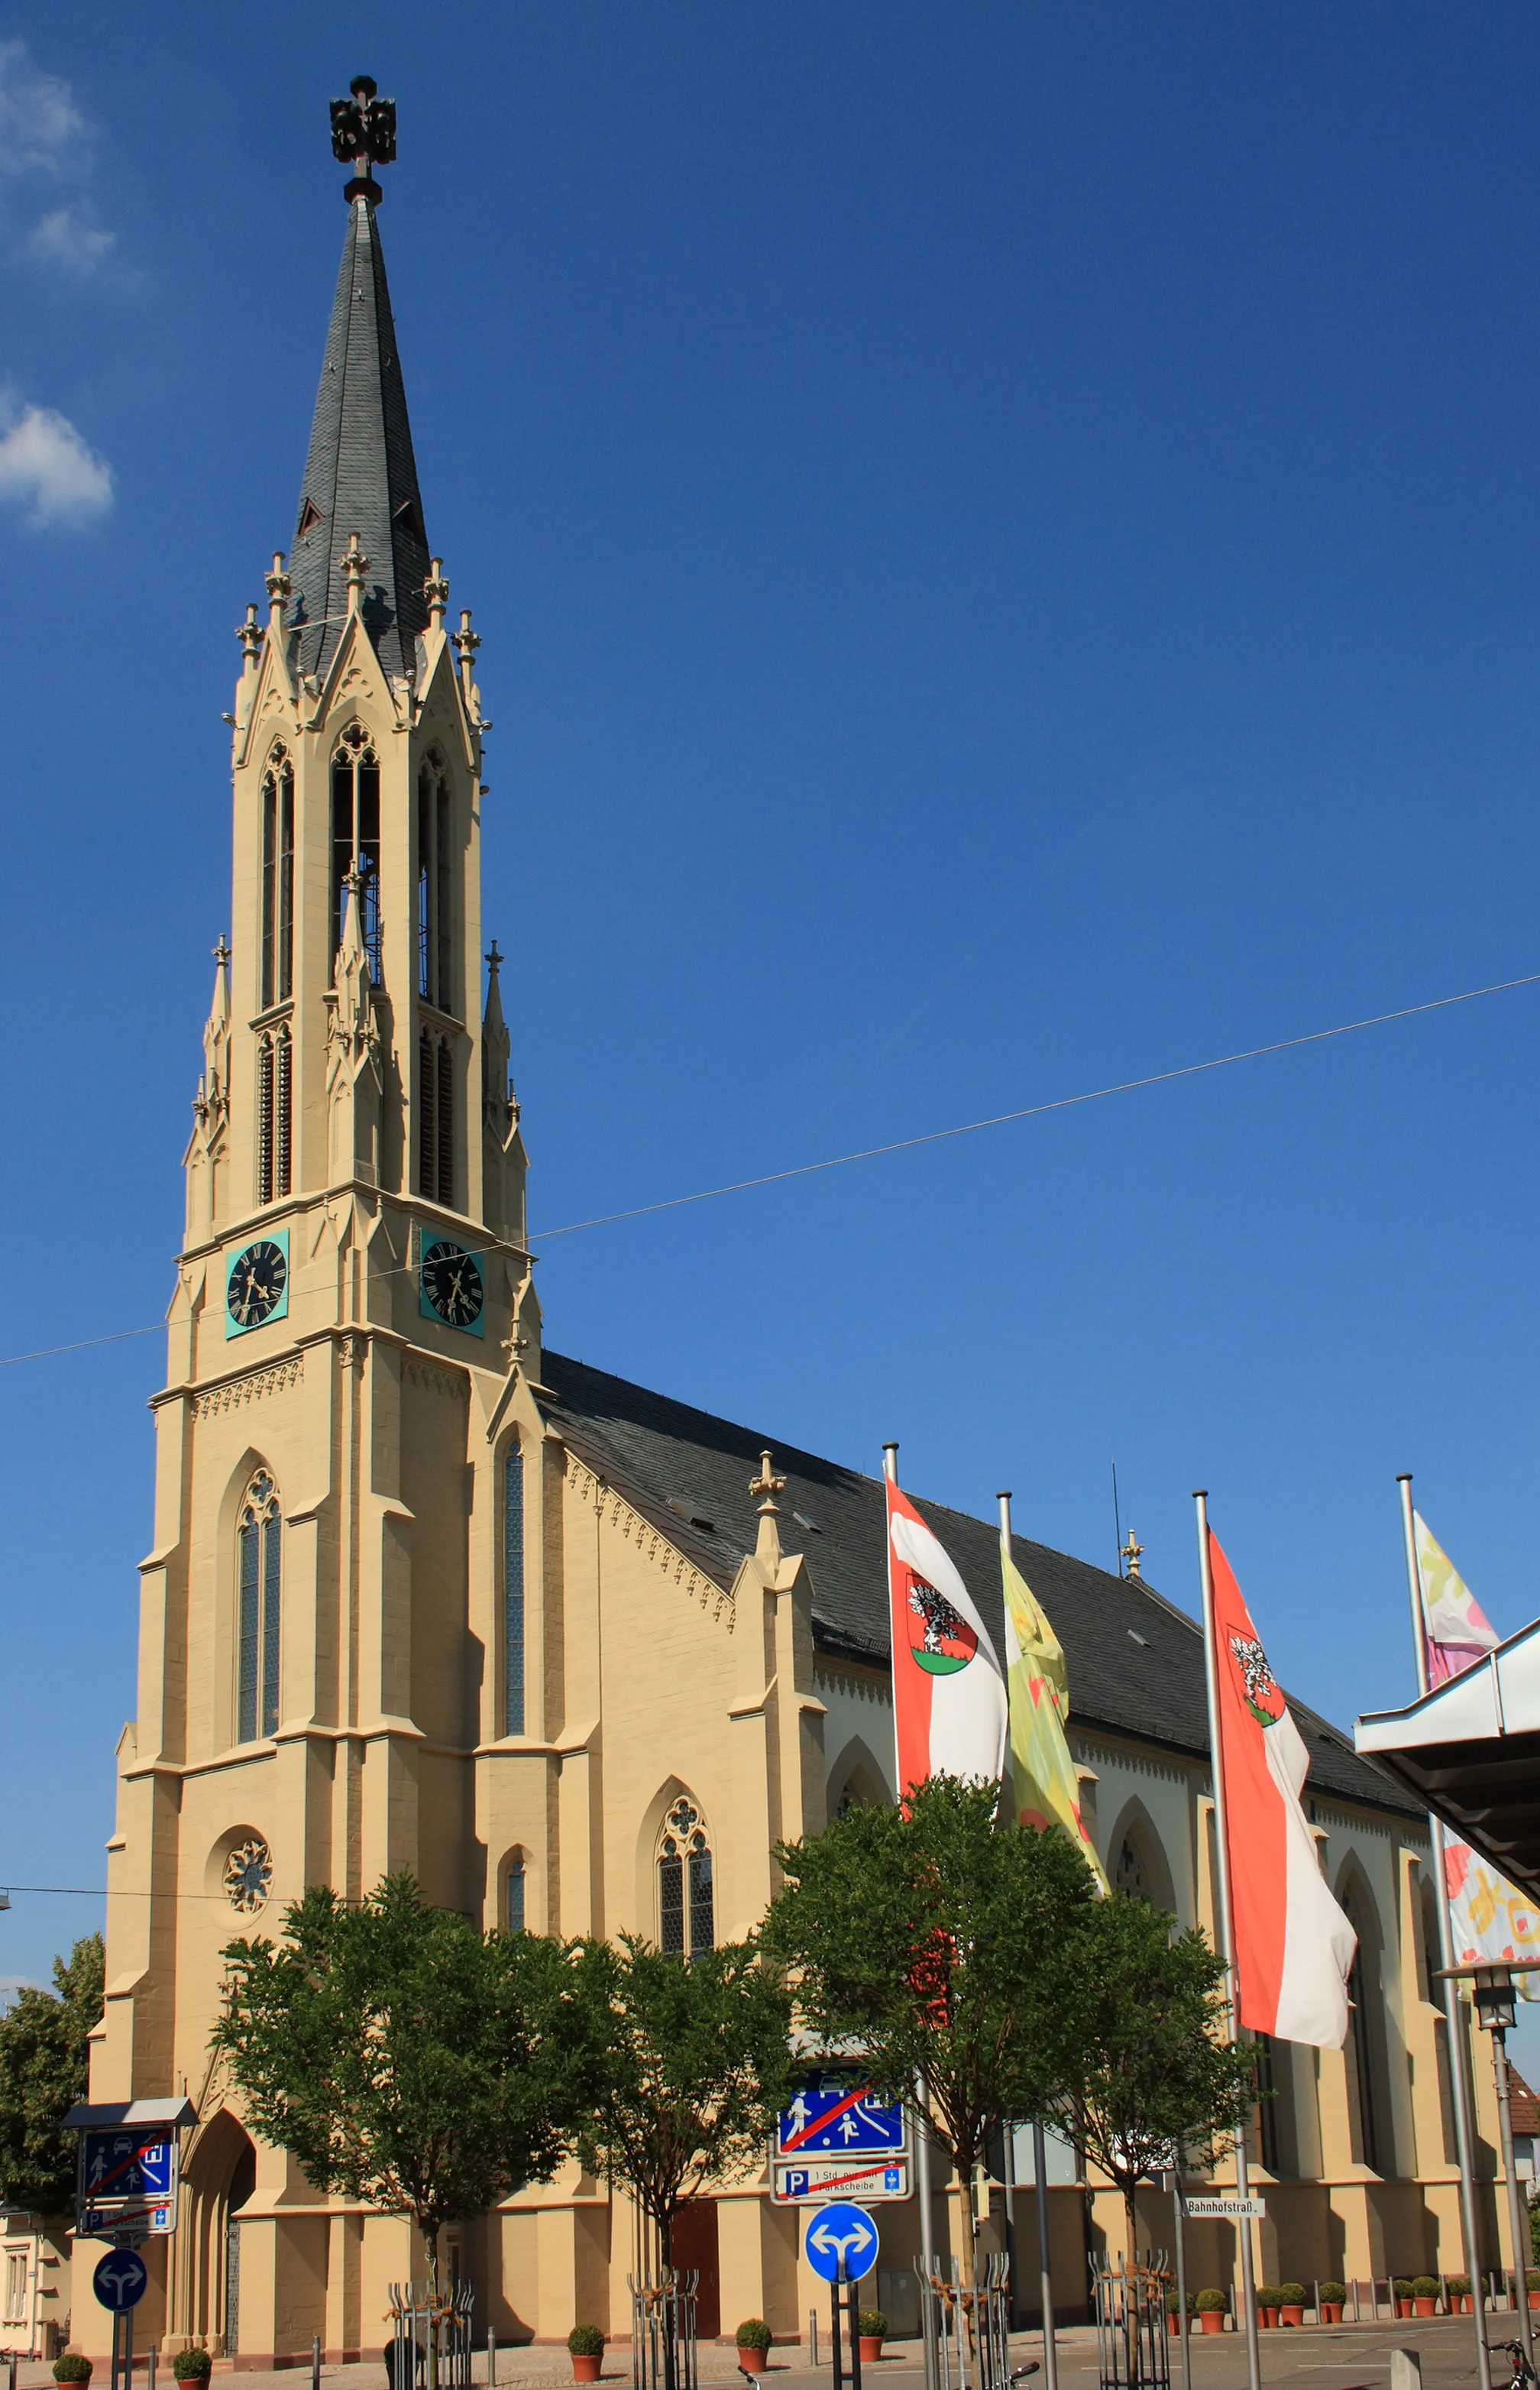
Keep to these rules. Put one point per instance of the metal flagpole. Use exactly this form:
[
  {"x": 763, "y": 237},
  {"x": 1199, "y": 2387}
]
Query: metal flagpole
[
  {"x": 922, "y": 2136},
  {"x": 1459, "y": 2092},
  {"x": 1044, "y": 2259},
  {"x": 1226, "y": 1924}
]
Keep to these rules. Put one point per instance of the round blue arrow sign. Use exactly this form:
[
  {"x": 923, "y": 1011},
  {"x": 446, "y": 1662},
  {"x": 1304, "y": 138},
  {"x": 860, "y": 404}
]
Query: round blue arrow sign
[
  {"x": 120, "y": 2279},
  {"x": 844, "y": 2235}
]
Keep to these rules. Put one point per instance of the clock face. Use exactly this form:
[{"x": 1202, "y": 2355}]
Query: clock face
[
  {"x": 452, "y": 1287},
  {"x": 257, "y": 1288}
]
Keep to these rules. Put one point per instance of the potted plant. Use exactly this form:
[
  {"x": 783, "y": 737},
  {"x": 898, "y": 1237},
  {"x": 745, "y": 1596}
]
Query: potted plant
[
  {"x": 1332, "y": 2297},
  {"x": 586, "y": 2347},
  {"x": 1425, "y": 2295},
  {"x": 1401, "y": 2293},
  {"x": 72, "y": 2367},
  {"x": 1209, "y": 2307},
  {"x": 1459, "y": 2288},
  {"x": 871, "y": 2330},
  {"x": 1174, "y": 2312},
  {"x": 192, "y": 2365},
  {"x": 1291, "y": 2303},
  {"x": 1267, "y": 2306},
  {"x": 753, "y": 2337}
]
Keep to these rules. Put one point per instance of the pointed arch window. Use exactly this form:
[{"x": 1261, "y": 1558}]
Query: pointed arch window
[
  {"x": 278, "y": 880},
  {"x": 355, "y": 836},
  {"x": 436, "y": 889},
  {"x": 686, "y": 1911},
  {"x": 436, "y": 1119},
  {"x": 275, "y": 1114},
  {"x": 513, "y": 1894},
  {"x": 259, "y": 1575},
  {"x": 513, "y": 1591}
]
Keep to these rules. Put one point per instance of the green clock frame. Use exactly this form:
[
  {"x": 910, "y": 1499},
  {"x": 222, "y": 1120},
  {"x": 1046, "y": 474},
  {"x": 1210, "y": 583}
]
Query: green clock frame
[
  {"x": 432, "y": 1249},
  {"x": 234, "y": 1326}
]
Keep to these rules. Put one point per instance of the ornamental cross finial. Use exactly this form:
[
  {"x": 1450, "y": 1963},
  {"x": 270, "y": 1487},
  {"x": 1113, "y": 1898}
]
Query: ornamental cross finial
[
  {"x": 364, "y": 136},
  {"x": 221, "y": 951},
  {"x": 766, "y": 1484},
  {"x": 1131, "y": 1555},
  {"x": 436, "y": 590},
  {"x": 495, "y": 960},
  {"x": 279, "y": 587},
  {"x": 249, "y": 634}
]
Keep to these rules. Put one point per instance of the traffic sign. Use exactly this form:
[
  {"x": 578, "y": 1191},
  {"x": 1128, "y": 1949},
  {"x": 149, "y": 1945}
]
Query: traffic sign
[
  {"x": 128, "y": 2177},
  {"x": 839, "y": 2178},
  {"x": 119, "y": 2279},
  {"x": 834, "y": 2114},
  {"x": 1234, "y": 2210},
  {"x": 841, "y": 2243}
]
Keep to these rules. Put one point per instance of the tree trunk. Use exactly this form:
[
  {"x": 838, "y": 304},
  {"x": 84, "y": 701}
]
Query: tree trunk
[
  {"x": 1130, "y": 2273},
  {"x": 665, "y": 2268},
  {"x": 431, "y": 2248}
]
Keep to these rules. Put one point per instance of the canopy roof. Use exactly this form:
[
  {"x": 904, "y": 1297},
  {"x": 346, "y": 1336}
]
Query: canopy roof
[{"x": 1470, "y": 1752}]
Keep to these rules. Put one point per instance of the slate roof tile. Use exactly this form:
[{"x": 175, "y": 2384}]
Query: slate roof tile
[{"x": 676, "y": 1464}]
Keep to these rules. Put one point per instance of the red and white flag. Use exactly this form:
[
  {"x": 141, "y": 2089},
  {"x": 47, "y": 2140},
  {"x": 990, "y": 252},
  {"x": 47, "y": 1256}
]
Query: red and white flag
[
  {"x": 1293, "y": 1946},
  {"x": 949, "y": 1690}
]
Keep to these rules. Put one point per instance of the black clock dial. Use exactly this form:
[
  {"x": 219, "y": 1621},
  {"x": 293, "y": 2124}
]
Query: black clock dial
[
  {"x": 257, "y": 1282},
  {"x": 452, "y": 1283}
]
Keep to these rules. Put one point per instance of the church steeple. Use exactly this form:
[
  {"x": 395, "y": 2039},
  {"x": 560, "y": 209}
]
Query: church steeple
[{"x": 360, "y": 476}]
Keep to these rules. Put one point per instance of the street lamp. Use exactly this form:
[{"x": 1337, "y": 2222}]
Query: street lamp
[{"x": 1491, "y": 1989}]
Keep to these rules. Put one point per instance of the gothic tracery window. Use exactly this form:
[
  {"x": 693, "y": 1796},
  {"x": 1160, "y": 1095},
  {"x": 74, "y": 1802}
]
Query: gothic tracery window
[
  {"x": 355, "y": 836},
  {"x": 278, "y": 880},
  {"x": 513, "y": 1591},
  {"x": 275, "y": 1114},
  {"x": 260, "y": 1578},
  {"x": 435, "y": 889},
  {"x": 687, "y": 1915},
  {"x": 1130, "y": 1873},
  {"x": 436, "y": 1119}
]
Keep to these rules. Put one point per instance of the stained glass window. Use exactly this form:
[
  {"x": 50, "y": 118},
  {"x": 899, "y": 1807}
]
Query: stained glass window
[
  {"x": 686, "y": 1914},
  {"x": 514, "y": 1896},
  {"x": 513, "y": 1591},
  {"x": 257, "y": 1634}
]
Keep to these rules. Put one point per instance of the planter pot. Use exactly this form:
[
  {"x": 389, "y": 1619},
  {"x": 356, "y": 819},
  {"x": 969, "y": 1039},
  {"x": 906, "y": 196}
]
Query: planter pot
[
  {"x": 1210, "y": 2323},
  {"x": 1291, "y": 2315},
  {"x": 1534, "y": 2298},
  {"x": 1468, "y": 2302},
  {"x": 586, "y": 2368},
  {"x": 1402, "y": 2308},
  {"x": 1425, "y": 2306},
  {"x": 1173, "y": 2324},
  {"x": 1331, "y": 2311},
  {"x": 871, "y": 2346},
  {"x": 754, "y": 2361},
  {"x": 1267, "y": 2318}
]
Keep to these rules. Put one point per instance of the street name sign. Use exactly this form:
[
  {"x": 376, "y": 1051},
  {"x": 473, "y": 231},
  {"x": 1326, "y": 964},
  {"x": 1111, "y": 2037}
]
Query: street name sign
[
  {"x": 841, "y": 2240},
  {"x": 839, "y": 2178},
  {"x": 119, "y": 2279},
  {"x": 834, "y": 2114},
  {"x": 1234, "y": 2210}
]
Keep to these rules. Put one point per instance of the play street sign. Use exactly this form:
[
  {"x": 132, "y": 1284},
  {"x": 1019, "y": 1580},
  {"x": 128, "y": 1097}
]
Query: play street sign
[
  {"x": 834, "y": 2114},
  {"x": 120, "y": 2279},
  {"x": 839, "y": 2178},
  {"x": 841, "y": 2241},
  {"x": 128, "y": 2181},
  {"x": 1234, "y": 2210}
]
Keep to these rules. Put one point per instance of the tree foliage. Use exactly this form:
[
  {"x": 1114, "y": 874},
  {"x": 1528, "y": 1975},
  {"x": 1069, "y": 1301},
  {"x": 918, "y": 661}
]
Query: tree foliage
[
  {"x": 402, "y": 2057},
  {"x": 1154, "y": 2069},
  {"x": 696, "y": 2061},
  {"x": 45, "y": 2062},
  {"x": 941, "y": 1943}
]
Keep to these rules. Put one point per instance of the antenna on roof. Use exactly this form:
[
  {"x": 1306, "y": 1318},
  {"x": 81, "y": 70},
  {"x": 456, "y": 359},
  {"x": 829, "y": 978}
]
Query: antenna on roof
[{"x": 1117, "y": 1523}]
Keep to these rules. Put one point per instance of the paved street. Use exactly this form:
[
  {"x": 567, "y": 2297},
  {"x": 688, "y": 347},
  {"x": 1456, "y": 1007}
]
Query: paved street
[{"x": 1343, "y": 2356}]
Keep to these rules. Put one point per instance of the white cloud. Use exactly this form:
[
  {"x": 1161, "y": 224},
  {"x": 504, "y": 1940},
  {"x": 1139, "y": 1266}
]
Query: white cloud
[
  {"x": 40, "y": 125},
  {"x": 67, "y": 238},
  {"x": 48, "y": 468}
]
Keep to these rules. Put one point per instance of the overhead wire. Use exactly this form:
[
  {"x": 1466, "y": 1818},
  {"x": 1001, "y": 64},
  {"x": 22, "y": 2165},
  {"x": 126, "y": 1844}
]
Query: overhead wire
[{"x": 901, "y": 1144}]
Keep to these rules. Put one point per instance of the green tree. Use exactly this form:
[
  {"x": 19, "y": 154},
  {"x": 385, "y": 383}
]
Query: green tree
[
  {"x": 405, "y": 2058},
  {"x": 941, "y": 1944},
  {"x": 696, "y": 2061},
  {"x": 1154, "y": 2070},
  {"x": 45, "y": 2060}
]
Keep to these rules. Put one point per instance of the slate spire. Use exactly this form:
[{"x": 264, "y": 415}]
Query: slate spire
[{"x": 360, "y": 475}]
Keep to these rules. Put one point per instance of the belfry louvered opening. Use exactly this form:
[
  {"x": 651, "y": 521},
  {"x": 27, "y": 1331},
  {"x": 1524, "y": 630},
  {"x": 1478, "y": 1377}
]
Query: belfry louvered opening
[{"x": 436, "y": 1118}]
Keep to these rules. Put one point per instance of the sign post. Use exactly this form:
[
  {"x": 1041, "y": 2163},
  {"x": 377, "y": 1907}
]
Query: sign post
[
  {"x": 841, "y": 2243},
  {"x": 120, "y": 2282}
]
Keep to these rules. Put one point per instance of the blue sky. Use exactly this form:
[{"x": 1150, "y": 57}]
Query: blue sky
[{"x": 1007, "y": 546}]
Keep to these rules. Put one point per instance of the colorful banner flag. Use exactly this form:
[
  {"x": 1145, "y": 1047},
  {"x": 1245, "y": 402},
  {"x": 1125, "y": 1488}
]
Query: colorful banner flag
[
  {"x": 1044, "y": 1788},
  {"x": 1293, "y": 1946},
  {"x": 1456, "y": 1628},
  {"x": 1489, "y": 1918},
  {"x": 949, "y": 1694}
]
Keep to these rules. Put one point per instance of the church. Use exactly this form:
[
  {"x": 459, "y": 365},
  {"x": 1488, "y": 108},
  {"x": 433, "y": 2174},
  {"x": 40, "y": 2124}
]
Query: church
[{"x": 424, "y": 1594}]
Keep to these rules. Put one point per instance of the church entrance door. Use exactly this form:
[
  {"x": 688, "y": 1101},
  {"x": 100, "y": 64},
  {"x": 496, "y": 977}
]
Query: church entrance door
[{"x": 695, "y": 2243}]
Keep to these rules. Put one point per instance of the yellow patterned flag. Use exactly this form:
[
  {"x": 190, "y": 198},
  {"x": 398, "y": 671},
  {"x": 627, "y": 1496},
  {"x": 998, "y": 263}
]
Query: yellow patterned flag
[{"x": 1045, "y": 1788}]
